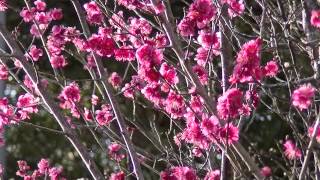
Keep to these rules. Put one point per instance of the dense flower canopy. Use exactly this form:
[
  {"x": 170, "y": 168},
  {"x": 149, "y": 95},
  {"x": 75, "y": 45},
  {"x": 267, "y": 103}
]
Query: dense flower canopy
[{"x": 163, "y": 89}]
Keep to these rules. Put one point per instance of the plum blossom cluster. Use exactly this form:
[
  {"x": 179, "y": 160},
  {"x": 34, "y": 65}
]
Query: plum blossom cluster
[
  {"x": 69, "y": 97},
  {"x": 94, "y": 15},
  {"x": 230, "y": 105},
  {"x": 40, "y": 17},
  {"x": 115, "y": 152},
  {"x": 102, "y": 43},
  {"x": 44, "y": 169},
  {"x": 4, "y": 73},
  {"x": 183, "y": 172},
  {"x": 105, "y": 115},
  {"x": 303, "y": 96},
  {"x": 291, "y": 150},
  {"x": 3, "y": 5},
  {"x": 310, "y": 132},
  {"x": 145, "y": 6},
  {"x": 315, "y": 18},
  {"x": 247, "y": 68},
  {"x": 235, "y": 7},
  {"x": 118, "y": 176},
  {"x": 157, "y": 78},
  {"x": 26, "y": 105},
  {"x": 200, "y": 13},
  {"x": 57, "y": 40},
  {"x": 206, "y": 132},
  {"x": 210, "y": 46}
]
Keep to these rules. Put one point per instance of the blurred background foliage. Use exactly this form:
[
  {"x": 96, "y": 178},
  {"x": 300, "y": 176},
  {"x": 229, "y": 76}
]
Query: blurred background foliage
[{"x": 26, "y": 142}]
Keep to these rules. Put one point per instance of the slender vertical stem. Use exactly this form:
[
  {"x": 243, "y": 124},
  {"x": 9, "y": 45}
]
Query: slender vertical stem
[
  {"x": 312, "y": 33},
  {"x": 102, "y": 73},
  {"x": 226, "y": 53},
  {"x": 309, "y": 149}
]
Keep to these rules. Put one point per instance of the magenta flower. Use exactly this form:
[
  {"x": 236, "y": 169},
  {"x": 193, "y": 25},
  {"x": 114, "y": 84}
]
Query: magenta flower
[
  {"x": 35, "y": 53},
  {"x": 291, "y": 150},
  {"x": 213, "y": 175},
  {"x": 117, "y": 176},
  {"x": 58, "y": 61},
  {"x": 43, "y": 166},
  {"x": 94, "y": 14},
  {"x": 271, "y": 69},
  {"x": 302, "y": 97},
  {"x": 148, "y": 56},
  {"x": 229, "y": 134},
  {"x": 179, "y": 172},
  {"x": 202, "y": 74},
  {"x": 266, "y": 171},
  {"x": 56, "y": 14},
  {"x": 3, "y": 5},
  {"x": 55, "y": 173},
  {"x": 115, "y": 152},
  {"x": 101, "y": 44},
  {"x": 124, "y": 53},
  {"x": 169, "y": 74},
  {"x": 230, "y": 104},
  {"x": 315, "y": 18},
  {"x": 4, "y": 73},
  {"x": 40, "y": 5},
  {"x": 236, "y": 7},
  {"x": 105, "y": 115},
  {"x": 310, "y": 132},
  {"x": 248, "y": 67},
  {"x": 27, "y": 14},
  {"x": 202, "y": 12},
  {"x": 71, "y": 93},
  {"x": 115, "y": 80},
  {"x": 175, "y": 105},
  {"x": 209, "y": 40},
  {"x": 187, "y": 27}
]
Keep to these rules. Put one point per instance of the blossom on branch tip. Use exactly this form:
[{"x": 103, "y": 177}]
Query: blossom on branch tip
[
  {"x": 43, "y": 166},
  {"x": 266, "y": 171},
  {"x": 56, "y": 14},
  {"x": 4, "y": 73},
  {"x": 230, "y": 104},
  {"x": 40, "y": 5},
  {"x": 115, "y": 80},
  {"x": 213, "y": 175},
  {"x": 302, "y": 97},
  {"x": 179, "y": 172},
  {"x": 169, "y": 74},
  {"x": 271, "y": 69},
  {"x": 315, "y": 18},
  {"x": 310, "y": 132},
  {"x": 94, "y": 14},
  {"x": 105, "y": 115},
  {"x": 229, "y": 134},
  {"x": 248, "y": 67},
  {"x": 58, "y": 62},
  {"x": 174, "y": 105},
  {"x": 148, "y": 56},
  {"x": 3, "y": 5},
  {"x": 35, "y": 53},
  {"x": 291, "y": 150},
  {"x": 115, "y": 152},
  {"x": 117, "y": 176},
  {"x": 71, "y": 93}
]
